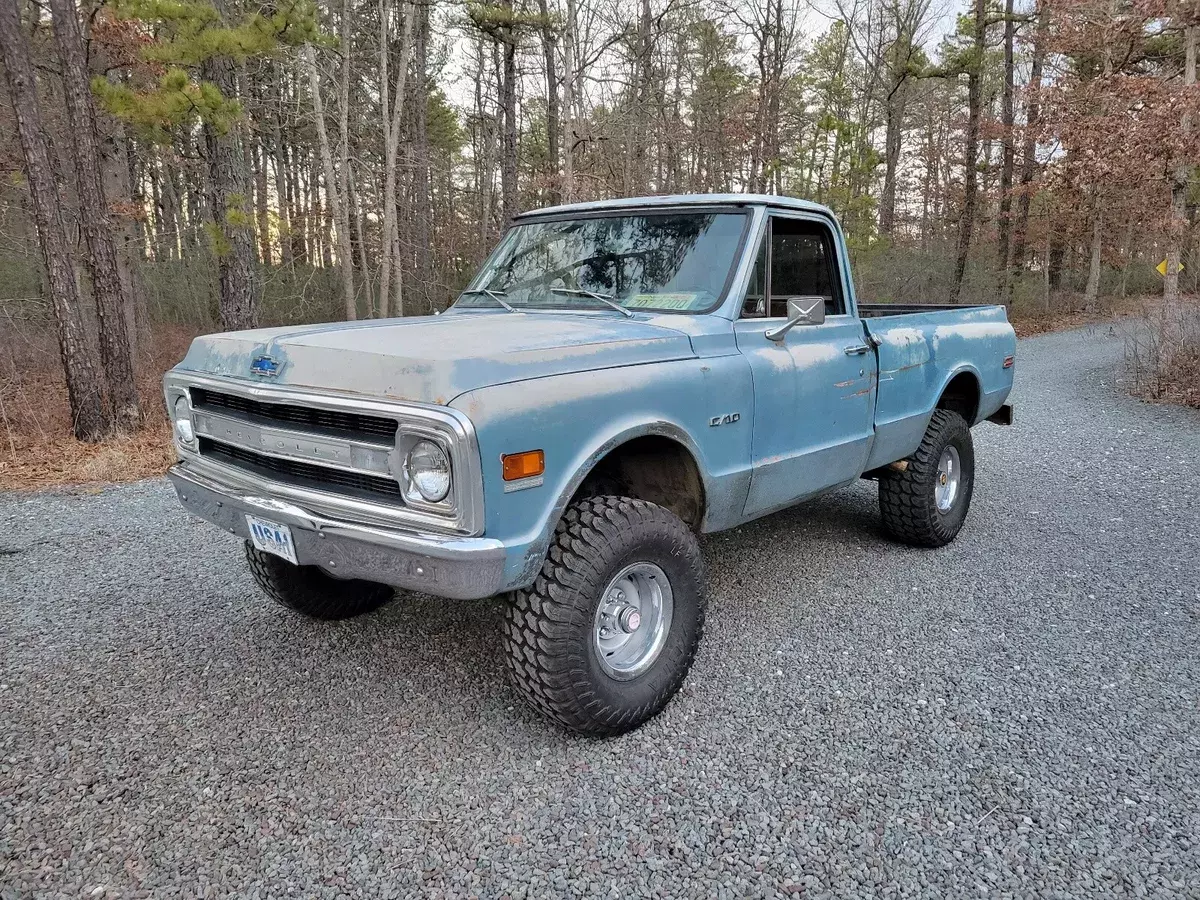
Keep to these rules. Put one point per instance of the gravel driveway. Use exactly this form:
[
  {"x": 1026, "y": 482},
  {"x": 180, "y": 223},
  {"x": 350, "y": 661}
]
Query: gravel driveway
[{"x": 1017, "y": 714}]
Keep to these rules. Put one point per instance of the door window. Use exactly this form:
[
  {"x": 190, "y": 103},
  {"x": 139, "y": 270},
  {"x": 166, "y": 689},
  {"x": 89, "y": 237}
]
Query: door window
[{"x": 800, "y": 262}]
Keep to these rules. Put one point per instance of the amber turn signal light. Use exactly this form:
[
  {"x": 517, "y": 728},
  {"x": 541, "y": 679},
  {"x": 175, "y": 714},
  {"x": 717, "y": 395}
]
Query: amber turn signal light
[{"x": 523, "y": 465}]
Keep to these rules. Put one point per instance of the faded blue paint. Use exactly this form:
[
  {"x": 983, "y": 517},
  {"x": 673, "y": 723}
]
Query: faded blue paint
[
  {"x": 578, "y": 384},
  {"x": 814, "y": 408},
  {"x": 432, "y": 359},
  {"x": 919, "y": 354}
]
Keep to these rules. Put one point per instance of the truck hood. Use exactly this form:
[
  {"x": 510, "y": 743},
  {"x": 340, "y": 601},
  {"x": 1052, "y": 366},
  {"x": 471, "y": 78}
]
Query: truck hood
[{"x": 433, "y": 359}]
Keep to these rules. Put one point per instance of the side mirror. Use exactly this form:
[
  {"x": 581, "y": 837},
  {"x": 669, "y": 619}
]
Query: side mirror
[{"x": 801, "y": 311}]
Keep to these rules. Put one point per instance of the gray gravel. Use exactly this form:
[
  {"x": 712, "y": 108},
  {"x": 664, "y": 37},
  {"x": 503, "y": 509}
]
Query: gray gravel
[{"x": 1017, "y": 714}]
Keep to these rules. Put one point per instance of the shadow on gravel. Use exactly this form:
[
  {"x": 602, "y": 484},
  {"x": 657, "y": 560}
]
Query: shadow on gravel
[{"x": 446, "y": 658}]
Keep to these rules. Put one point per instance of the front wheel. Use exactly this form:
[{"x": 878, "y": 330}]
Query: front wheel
[
  {"x": 606, "y": 634},
  {"x": 310, "y": 591},
  {"x": 926, "y": 504}
]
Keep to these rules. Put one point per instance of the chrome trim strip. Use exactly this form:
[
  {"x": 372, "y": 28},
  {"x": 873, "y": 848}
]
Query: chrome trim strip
[
  {"x": 450, "y": 426},
  {"x": 340, "y": 506},
  {"x": 342, "y": 454},
  {"x": 522, "y": 484}
]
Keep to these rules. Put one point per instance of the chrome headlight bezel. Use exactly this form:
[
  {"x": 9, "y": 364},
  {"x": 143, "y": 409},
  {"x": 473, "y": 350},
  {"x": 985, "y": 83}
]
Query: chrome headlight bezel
[
  {"x": 185, "y": 432},
  {"x": 179, "y": 411},
  {"x": 461, "y": 454}
]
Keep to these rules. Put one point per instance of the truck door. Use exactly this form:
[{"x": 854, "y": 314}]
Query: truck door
[{"x": 814, "y": 391}]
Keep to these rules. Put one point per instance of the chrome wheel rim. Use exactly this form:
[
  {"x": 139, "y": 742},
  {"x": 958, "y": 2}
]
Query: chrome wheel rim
[
  {"x": 949, "y": 476},
  {"x": 633, "y": 620}
]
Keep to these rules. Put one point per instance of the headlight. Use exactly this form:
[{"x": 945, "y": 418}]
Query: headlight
[
  {"x": 183, "y": 421},
  {"x": 427, "y": 472}
]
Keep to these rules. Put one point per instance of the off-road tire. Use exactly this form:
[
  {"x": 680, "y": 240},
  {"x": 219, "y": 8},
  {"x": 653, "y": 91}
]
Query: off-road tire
[
  {"x": 308, "y": 590},
  {"x": 907, "y": 500},
  {"x": 548, "y": 627}
]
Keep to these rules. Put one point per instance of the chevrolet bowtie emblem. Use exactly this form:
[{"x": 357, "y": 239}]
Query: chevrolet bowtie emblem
[{"x": 265, "y": 366}]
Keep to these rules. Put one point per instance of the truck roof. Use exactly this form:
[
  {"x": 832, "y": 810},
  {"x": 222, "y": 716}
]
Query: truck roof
[{"x": 680, "y": 200}]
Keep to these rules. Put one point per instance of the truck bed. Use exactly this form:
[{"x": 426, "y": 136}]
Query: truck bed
[
  {"x": 877, "y": 310},
  {"x": 920, "y": 348}
]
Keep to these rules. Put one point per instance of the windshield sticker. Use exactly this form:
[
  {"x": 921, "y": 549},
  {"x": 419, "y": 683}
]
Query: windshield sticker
[{"x": 664, "y": 301}]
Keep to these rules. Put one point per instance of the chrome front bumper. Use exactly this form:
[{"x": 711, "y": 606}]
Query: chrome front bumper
[{"x": 459, "y": 568}]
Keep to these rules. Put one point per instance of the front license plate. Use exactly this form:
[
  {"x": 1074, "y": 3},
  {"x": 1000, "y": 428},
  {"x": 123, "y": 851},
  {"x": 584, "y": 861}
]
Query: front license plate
[{"x": 271, "y": 537}]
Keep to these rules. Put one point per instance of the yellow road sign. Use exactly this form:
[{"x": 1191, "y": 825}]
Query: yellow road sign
[{"x": 1161, "y": 268}]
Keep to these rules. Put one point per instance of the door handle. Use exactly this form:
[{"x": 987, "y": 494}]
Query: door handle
[{"x": 857, "y": 350}]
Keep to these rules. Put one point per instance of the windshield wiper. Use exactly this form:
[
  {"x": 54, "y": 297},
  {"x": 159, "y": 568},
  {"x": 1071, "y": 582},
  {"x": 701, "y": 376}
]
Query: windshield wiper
[
  {"x": 498, "y": 296},
  {"x": 603, "y": 298}
]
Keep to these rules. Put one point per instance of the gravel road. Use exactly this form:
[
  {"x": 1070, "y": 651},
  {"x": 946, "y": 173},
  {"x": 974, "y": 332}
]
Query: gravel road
[{"x": 1017, "y": 714}]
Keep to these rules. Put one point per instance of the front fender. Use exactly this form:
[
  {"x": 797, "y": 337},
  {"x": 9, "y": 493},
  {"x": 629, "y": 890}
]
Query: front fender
[
  {"x": 622, "y": 432},
  {"x": 577, "y": 419}
]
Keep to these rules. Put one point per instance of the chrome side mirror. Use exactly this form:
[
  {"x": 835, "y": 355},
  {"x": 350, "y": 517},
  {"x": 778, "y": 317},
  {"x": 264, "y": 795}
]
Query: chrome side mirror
[{"x": 801, "y": 311}]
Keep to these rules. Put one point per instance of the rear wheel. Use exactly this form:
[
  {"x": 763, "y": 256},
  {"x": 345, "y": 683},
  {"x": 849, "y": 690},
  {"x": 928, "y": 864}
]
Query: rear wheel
[
  {"x": 926, "y": 504},
  {"x": 606, "y": 634},
  {"x": 309, "y": 590}
]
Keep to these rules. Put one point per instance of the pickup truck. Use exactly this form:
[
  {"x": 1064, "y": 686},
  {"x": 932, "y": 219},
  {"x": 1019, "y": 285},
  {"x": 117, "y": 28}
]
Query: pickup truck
[{"x": 619, "y": 378}]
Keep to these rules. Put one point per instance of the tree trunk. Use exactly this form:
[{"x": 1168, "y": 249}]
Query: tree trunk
[
  {"x": 891, "y": 157},
  {"x": 422, "y": 211},
  {"x": 119, "y": 175},
  {"x": 1179, "y": 186},
  {"x": 228, "y": 206},
  {"x": 966, "y": 222},
  {"x": 549, "y": 51},
  {"x": 100, "y": 256},
  {"x": 1003, "y": 264},
  {"x": 757, "y": 145},
  {"x": 283, "y": 188},
  {"x": 1032, "y": 119},
  {"x": 343, "y": 209},
  {"x": 173, "y": 225},
  {"x": 568, "y": 155},
  {"x": 640, "y": 177},
  {"x": 88, "y": 415},
  {"x": 358, "y": 222},
  {"x": 391, "y": 140},
  {"x": 1055, "y": 257},
  {"x": 781, "y": 50},
  {"x": 261, "y": 211},
  {"x": 335, "y": 207},
  {"x": 156, "y": 212},
  {"x": 508, "y": 107},
  {"x": 1091, "y": 292}
]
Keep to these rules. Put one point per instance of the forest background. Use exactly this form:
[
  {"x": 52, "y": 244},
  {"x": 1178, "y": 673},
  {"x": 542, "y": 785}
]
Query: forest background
[{"x": 169, "y": 167}]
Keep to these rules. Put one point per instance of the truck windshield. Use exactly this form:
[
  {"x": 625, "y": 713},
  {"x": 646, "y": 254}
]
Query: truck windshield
[{"x": 677, "y": 262}]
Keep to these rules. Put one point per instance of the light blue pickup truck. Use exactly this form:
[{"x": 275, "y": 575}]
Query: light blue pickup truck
[{"x": 619, "y": 378}]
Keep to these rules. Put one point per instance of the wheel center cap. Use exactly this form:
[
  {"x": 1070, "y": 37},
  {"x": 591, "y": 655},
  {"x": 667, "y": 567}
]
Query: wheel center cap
[
  {"x": 630, "y": 620},
  {"x": 944, "y": 479}
]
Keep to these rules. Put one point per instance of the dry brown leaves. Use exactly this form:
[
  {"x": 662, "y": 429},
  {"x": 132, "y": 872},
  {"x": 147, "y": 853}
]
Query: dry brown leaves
[
  {"x": 36, "y": 447},
  {"x": 1029, "y": 324}
]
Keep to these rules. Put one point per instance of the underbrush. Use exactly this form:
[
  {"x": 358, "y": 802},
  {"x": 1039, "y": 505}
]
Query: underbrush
[{"x": 1162, "y": 354}]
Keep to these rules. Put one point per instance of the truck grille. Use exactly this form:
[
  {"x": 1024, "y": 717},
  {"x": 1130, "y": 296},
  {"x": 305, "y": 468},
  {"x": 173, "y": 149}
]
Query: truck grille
[
  {"x": 302, "y": 474},
  {"x": 331, "y": 423}
]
